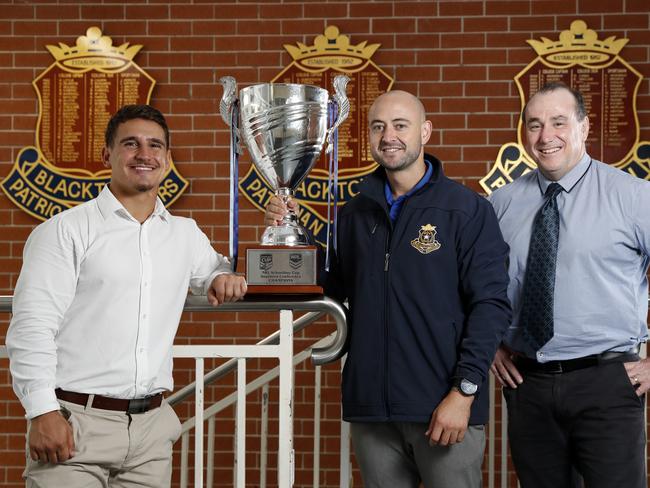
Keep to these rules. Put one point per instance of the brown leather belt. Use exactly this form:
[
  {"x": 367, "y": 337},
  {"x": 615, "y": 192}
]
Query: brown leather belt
[
  {"x": 568, "y": 365},
  {"x": 136, "y": 405}
]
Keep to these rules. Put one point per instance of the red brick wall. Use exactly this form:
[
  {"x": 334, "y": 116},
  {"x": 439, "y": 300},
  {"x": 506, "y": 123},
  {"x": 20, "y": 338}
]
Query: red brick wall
[{"x": 460, "y": 57}]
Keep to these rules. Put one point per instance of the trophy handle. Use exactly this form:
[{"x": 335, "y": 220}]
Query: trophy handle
[
  {"x": 340, "y": 84},
  {"x": 228, "y": 98},
  {"x": 230, "y": 115}
]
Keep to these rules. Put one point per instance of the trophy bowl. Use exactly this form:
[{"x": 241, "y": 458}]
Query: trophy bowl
[{"x": 284, "y": 127}]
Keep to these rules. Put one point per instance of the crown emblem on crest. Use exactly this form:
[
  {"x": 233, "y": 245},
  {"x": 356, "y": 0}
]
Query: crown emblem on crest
[
  {"x": 93, "y": 44},
  {"x": 332, "y": 43},
  {"x": 578, "y": 37}
]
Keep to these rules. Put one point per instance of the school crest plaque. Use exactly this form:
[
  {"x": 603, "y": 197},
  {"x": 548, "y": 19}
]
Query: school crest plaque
[
  {"x": 609, "y": 85},
  {"x": 330, "y": 55},
  {"x": 77, "y": 94}
]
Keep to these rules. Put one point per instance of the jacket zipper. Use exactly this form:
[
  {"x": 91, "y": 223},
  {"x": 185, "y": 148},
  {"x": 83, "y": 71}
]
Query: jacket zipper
[
  {"x": 387, "y": 244},
  {"x": 389, "y": 239}
]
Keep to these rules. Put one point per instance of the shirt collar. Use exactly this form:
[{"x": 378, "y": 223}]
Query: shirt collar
[
  {"x": 388, "y": 192},
  {"x": 569, "y": 180},
  {"x": 160, "y": 210},
  {"x": 108, "y": 204}
]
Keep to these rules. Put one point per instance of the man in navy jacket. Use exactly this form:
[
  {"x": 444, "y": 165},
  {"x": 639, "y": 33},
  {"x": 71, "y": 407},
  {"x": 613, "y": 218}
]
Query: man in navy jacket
[{"x": 422, "y": 263}]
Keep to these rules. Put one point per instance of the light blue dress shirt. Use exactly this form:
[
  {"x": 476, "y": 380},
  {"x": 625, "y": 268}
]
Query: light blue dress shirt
[{"x": 601, "y": 288}]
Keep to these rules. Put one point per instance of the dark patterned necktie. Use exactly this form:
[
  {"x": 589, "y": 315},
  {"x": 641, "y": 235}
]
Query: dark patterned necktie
[{"x": 536, "y": 319}]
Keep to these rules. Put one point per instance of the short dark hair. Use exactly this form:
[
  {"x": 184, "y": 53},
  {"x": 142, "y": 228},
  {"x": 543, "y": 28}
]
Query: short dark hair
[
  {"x": 130, "y": 112},
  {"x": 581, "y": 111}
]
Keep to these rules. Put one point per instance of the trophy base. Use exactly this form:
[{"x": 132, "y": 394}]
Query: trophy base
[{"x": 287, "y": 270}]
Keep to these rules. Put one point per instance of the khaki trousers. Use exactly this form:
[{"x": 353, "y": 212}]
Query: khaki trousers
[{"x": 112, "y": 450}]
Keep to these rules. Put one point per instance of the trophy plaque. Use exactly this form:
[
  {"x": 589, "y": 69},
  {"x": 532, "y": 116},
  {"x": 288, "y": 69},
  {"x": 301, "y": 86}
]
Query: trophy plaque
[{"x": 284, "y": 127}]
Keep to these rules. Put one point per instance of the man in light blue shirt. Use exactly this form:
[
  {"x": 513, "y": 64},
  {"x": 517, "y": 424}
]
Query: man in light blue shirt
[{"x": 577, "y": 401}]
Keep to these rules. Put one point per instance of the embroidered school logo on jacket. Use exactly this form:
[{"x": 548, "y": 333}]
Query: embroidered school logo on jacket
[{"x": 426, "y": 240}]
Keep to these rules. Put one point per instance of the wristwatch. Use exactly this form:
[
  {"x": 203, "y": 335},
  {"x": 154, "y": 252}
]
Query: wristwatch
[{"x": 465, "y": 387}]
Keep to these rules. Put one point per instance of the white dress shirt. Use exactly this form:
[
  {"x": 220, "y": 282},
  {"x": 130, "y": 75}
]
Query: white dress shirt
[{"x": 99, "y": 299}]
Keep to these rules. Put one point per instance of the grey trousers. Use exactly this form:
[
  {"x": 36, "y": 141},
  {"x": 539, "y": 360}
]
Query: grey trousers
[
  {"x": 398, "y": 455},
  {"x": 112, "y": 450}
]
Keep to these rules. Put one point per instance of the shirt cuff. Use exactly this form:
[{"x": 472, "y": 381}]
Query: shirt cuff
[
  {"x": 40, "y": 402},
  {"x": 222, "y": 269}
]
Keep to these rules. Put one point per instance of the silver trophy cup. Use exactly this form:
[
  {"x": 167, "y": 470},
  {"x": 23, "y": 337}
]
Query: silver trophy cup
[{"x": 284, "y": 127}]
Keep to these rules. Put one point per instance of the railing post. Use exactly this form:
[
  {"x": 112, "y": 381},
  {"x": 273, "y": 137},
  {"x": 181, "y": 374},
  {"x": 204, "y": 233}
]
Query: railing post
[
  {"x": 264, "y": 441},
  {"x": 317, "y": 408},
  {"x": 240, "y": 457},
  {"x": 285, "y": 441},
  {"x": 504, "y": 444},
  {"x": 185, "y": 451},
  {"x": 344, "y": 460},
  {"x": 209, "y": 481},
  {"x": 198, "y": 427},
  {"x": 491, "y": 430}
]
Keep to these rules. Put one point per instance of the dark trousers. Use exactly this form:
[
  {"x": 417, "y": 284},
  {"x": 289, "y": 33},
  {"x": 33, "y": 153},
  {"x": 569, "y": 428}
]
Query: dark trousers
[{"x": 590, "y": 420}]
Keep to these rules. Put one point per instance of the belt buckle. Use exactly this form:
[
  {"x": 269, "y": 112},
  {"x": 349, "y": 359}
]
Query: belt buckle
[{"x": 138, "y": 405}]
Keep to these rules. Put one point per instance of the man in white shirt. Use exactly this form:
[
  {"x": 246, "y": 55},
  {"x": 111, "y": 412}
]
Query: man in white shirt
[{"x": 95, "y": 311}]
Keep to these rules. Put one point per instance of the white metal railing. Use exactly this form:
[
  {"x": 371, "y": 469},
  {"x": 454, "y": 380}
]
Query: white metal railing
[
  {"x": 284, "y": 353},
  {"x": 236, "y": 398}
]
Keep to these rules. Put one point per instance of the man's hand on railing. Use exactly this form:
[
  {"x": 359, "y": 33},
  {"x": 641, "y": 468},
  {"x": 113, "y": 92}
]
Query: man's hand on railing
[
  {"x": 276, "y": 209},
  {"x": 227, "y": 287},
  {"x": 504, "y": 369},
  {"x": 50, "y": 438}
]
